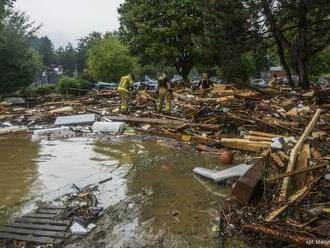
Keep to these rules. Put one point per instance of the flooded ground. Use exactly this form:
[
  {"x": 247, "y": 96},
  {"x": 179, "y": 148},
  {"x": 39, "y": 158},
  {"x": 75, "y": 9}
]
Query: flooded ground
[{"x": 177, "y": 201}]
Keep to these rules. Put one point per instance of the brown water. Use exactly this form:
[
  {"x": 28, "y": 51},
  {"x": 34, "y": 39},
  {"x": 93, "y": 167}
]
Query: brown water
[{"x": 179, "y": 202}]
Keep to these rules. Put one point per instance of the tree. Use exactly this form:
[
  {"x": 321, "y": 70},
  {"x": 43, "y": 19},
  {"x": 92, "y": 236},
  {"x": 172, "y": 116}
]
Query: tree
[
  {"x": 299, "y": 27},
  {"x": 19, "y": 64},
  {"x": 83, "y": 45},
  {"x": 162, "y": 31},
  {"x": 67, "y": 60},
  {"x": 109, "y": 59},
  {"x": 228, "y": 40}
]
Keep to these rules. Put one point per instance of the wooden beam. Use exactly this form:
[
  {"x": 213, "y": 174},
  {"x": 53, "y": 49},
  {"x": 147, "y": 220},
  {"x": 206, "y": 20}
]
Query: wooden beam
[
  {"x": 297, "y": 197},
  {"x": 244, "y": 144},
  {"x": 41, "y": 240},
  {"x": 302, "y": 163},
  {"x": 295, "y": 238},
  {"x": 294, "y": 153},
  {"x": 38, "y": 233},
  {"x": 38, "y": 227},
  {"x": 296, "y": 172}
]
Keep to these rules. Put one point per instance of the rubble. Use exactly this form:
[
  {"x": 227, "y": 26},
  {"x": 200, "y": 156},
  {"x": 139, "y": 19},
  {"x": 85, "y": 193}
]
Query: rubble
[{"x": 286, "y": 129}]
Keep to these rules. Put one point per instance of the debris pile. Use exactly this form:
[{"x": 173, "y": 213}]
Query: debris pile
[{"x": 282, "y": 191}]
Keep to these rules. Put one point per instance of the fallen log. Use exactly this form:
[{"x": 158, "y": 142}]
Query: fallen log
[{"x": 294, "y": 153}]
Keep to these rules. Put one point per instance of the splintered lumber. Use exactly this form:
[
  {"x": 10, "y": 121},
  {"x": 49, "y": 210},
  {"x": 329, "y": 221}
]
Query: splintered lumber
[
  {"x": 42, "y": 240},
  {"x": 163, "y": 122},
  {"x": 244, "y": 144},
  {"x": 294, "y": 153},
  {"x": 262, "y": 134},
  {"x": 302, "y": 163},
  {"x": 216, "y": 99},
  {"x": 296, "y": 197},
  {"x": 277, "y": 159},
  {"x": 296, "y": 172},
  {"x": 145, "y": 120},
  {"x": 299, "y": 239},
  {"x": 257, "y": 138},
  {"x": 246, "y": 185}
]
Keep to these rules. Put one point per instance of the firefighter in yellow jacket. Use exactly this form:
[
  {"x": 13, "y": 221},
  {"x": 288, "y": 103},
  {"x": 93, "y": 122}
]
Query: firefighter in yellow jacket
[
  {"x": 164, "y": 93},
  {"x": 124, "y": 88}
]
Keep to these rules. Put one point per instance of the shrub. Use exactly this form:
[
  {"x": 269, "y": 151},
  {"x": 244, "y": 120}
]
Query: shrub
[
  {"x": 67, "y": 84},
  {"x": 44, "y": 89}
]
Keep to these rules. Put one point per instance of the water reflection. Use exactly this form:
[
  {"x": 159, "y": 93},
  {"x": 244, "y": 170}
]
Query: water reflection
[{"x": 18, "y": 171}]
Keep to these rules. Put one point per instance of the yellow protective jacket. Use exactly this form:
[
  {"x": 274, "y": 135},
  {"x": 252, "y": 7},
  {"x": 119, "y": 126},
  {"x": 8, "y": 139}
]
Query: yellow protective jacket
[{"x": 125, "y": 83}]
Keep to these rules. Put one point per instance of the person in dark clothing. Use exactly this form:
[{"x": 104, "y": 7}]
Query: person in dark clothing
[
  {"x": 164, "y": 93},
  {"x": 205, "y": 83}
]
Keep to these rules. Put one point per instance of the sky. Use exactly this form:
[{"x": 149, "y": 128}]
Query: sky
[{"x": 66, "y": 21}]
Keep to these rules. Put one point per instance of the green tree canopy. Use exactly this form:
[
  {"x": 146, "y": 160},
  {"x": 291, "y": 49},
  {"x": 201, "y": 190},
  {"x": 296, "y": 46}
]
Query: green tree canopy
[
  {"x": 67, "y": 60},
  {"x": 19, "y": 64},
  {"x": 162, "y": 31},
  {"x": 109, "y": 59}
]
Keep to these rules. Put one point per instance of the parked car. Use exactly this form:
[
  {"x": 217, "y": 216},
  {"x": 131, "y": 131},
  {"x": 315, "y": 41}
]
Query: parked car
[
  {"x": 258, "y": 83},
  {"x": 146, "y": 84},
  {"x": 105, "y": 86}
]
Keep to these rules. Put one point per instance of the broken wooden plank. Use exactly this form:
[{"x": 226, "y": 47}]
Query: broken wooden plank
[
  {"x": 296, "y": 197},
  {"x": 42, "y": 227},
  {"x": 53, "y": 207},
  {"x": 263, "y": 134},
  {"x": 246, "y": 145},
  {"x": 245, "y": 186},
  {"x": 277, "y": 159},
  {"x": 302, "y": 163},
  {"x": 40, "y": 215},
  {"x": 39, "y": 233},
  {"x": 40, "y": 240},
  {"x": 45, "y": 221},
  {"x": 294, "y": 153},
  {"x": 48, "y": 211},
  {"x": 257, "y": 138},
  {"x": 299, "y": 239},
  {"x": 296, "y": 172}
]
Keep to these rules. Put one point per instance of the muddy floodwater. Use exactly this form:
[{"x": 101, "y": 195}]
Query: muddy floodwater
[{"x": 42, "y": 171}]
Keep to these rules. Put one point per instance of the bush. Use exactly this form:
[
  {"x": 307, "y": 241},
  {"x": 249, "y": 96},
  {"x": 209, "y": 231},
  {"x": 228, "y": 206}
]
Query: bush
[
  {"x": 45, "y": 89},
  {"x": 66, "y": 84}
]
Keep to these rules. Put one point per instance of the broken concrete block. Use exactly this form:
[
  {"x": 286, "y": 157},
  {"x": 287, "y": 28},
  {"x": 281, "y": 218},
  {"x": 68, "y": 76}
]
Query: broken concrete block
[
  {"x": 219, "y": 176},
  {"x": 75, "y": 120},
  {"x": 245, "y": 186}
]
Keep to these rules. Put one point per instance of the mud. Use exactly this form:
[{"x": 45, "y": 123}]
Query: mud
[{"x": 153, "y": 200}]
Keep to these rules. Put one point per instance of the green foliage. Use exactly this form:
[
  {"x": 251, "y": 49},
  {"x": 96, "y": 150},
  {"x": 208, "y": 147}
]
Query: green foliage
[
  {"x": 19, "y": 64},
  {"x": 320, "y": 63},
  {"x": 45, "y": 89},
  {"x": 33, "y": 90},
  {"x": 67, "y": 60},
  {"x": 109, "y": 59},
  {"x": 162, "y": 31},
  {"x": 83, "y": 45},
  {"x": 66, "y": 84}
]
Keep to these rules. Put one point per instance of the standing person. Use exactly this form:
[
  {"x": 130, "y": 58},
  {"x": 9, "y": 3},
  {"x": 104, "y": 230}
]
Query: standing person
[
  {"x": 124, "y": 89},
  {"x": 205, "y": 82},
  {"x": 164, "y": 93}
]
